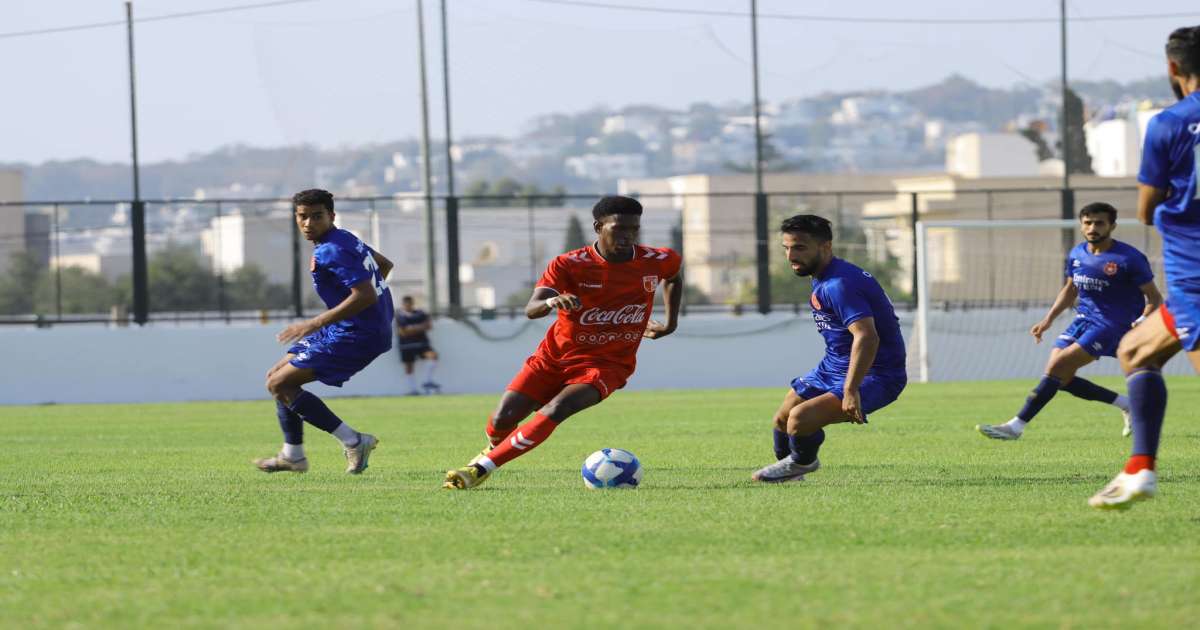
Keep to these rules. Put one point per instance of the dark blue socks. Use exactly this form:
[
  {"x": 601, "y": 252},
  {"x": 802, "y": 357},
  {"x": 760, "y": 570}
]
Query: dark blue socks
[
  {"x": 309, "y": 407},
  {"x": 292, "y": 424},
  {"x": 1148, "y": 405},
  {"x": 1045, "y": 390},
  {"x": 1087, "y": 390},
  {"x": 804, "y": 448},
  {"x": 782, "y": 446}
]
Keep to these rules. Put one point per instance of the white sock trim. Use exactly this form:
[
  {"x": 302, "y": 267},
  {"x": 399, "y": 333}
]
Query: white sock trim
[
  {"x": 1122, "y": 402},
  {"x": 487, "y": 463},
  {"x": 292, "y": 452},
  {"x": 1017, "y": 425},
  {"x": 347, "y": 434}
]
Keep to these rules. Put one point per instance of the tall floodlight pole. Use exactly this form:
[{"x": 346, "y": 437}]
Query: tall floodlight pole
[
  {"x": 1068, "y": 201},
  {"x": 137, "y": 215},
  {"x": 453, "y": 288},
  {"x": 760, "y": 198},
  {"x": 426, "y": 178}
]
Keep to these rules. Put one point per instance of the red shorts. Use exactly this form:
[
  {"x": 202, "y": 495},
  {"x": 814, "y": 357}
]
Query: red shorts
[{"x": 542, "y": 380}]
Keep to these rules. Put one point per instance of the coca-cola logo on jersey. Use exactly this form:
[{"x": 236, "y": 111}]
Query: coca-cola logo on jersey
[{"x": 628, "y": 314}]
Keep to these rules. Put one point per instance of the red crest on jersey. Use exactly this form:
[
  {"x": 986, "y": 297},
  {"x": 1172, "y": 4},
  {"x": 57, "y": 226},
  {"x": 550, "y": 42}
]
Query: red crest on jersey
[
  {"x": 812, "y": 299},
  {"x": 1110, "y": 268},
  {"x": 649, "y": 283}
]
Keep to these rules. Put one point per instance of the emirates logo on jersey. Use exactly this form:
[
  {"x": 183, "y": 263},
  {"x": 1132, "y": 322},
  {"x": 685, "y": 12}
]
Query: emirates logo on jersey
[
  {"x": 1110, "y": 268},
  {"x": 628, "y": 314}
]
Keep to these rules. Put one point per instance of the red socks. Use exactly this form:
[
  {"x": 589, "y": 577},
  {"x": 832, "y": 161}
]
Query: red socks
[
  {"x": 1138, "y": 463},
  {"x": 495, "y": 436},
  {"x": 524, "y": 439}
]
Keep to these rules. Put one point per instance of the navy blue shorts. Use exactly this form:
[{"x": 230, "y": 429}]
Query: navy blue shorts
[
  {"x": 876, "y": 392},
  {"x": 335, "y": 359},
  {"x": 1100, "y": 340},
  {"x": 1181, "y": 314}
]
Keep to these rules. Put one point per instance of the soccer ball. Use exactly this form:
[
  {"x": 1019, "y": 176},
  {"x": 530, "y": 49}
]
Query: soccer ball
[{"x": 611, "y": 468}]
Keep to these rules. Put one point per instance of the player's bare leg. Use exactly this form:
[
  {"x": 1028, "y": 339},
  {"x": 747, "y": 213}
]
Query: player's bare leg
[
  {"x": 1143, "y": 352},
  {"x": 285, "y": 383},
  {"x": 805, "y": 423},
  {"x": 569, "y": 401}
]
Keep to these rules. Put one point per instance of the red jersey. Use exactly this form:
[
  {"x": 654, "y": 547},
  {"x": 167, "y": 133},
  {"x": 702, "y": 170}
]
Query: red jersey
[{"x": 617, "y": 300}]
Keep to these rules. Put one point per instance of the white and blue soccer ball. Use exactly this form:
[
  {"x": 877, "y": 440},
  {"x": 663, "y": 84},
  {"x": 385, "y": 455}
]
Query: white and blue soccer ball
[{"x": 612, "y": 468}]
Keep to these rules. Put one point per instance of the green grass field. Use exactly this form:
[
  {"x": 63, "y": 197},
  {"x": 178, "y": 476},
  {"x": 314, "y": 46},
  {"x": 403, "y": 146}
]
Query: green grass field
[{"x": 150, "y": 515}]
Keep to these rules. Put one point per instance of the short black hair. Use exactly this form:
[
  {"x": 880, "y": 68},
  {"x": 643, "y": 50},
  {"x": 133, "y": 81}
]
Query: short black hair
[
  {"x": 817, "y": 227},
  {"x": 1099, "y": 208},
  {"x": 313, "y": 197},
  {"x": 616, "y": 204},
  {"x": 1183, "y": 47},
  {"x": 406, "y": 298}
]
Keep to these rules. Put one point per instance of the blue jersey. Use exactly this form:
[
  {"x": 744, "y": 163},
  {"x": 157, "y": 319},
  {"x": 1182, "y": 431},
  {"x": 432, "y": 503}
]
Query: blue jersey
[
  {"x": 1169, "y": 162},
  {"x": 339, "y": 262},
  {"x": 842, "y": 295},
  {"x": 1108, "y": 283}
]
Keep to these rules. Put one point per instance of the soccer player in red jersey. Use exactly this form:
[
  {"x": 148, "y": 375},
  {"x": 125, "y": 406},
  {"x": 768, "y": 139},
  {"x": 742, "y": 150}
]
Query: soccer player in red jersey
[{"x": 604, "y": 295}]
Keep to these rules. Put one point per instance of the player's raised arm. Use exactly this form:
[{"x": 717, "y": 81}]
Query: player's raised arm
[
  {"x": 362, "y": 296},
  {"x": 545, "y": 299},
  {"x": 672, "y": 297},
  {"x": 1064, "y": 300}
]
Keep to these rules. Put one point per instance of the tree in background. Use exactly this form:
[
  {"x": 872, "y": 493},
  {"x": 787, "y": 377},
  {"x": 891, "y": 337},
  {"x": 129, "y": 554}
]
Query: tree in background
[
  {"x": 507, "y": 192},
  {"x": 575, "y": 237},
  {"x": 17, "y": 285},
  {"x": 179, "y": 281},
  {"x": 248, "y": 288},
  {"x": 1076, "y": 140}
]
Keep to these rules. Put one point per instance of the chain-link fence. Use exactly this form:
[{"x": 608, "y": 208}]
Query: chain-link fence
[{"x": 229, "y": 260}]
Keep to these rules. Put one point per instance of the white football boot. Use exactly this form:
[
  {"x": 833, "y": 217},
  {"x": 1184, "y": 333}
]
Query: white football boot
[
  {"x": 1124, "y": 489},
  {"x": 998, "y": 431}
]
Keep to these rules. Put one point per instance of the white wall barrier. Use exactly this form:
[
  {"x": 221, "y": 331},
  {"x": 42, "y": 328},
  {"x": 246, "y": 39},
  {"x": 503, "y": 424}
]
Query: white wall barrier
[{"x": 85, "y": 364}]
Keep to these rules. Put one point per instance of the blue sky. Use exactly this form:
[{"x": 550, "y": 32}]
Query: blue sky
[{"x": 344, "y": 72}]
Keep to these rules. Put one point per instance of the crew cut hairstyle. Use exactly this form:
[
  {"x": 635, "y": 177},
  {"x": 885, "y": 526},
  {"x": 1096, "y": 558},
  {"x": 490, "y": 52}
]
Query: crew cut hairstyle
[
  {"x": 313, "y": 197},
  {"x": 817, "y": 227},
  {"x": 616, "y": 204},
  {"x": 1099, "y": 208},
  {"x": 1183, "y": 47}
]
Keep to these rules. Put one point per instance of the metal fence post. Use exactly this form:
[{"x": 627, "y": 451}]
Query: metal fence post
[
  {"x": 762, "y": 253},
  {"x": 915, "y": 216},
  {"x": 297, "y": 301},
  {"x": 222, "y": 303},
  {"x": 57, "y": 267},
  {"x": 453, "y": 282},
  {"x": 141, "y": 289}
]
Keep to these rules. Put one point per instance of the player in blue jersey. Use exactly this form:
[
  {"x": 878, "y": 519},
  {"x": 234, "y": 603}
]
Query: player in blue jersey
[
  {"x": 1114, "y": 286},
  {"x": 1169, "y": 198},
  {"x": 335, "y": 344},
  {"x": 863, "y": 368}
]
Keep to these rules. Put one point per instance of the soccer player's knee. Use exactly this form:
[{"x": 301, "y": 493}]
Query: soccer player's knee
[{"x": 1129, "y": 354}]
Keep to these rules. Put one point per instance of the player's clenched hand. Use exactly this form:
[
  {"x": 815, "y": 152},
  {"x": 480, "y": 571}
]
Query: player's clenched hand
[
  {"x": 1038, "y": 329},
  {"x": 296, "y": 331},
  {"x": 564, "y": 301},
  {"x": 657, "y": 330},
  {"x": 852, "y": 406}
]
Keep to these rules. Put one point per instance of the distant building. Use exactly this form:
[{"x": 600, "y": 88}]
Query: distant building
[
  {"x": 1115, "y": 144},
  {"x": 601, "y": 166},
  {"x": 12, "y": 228},
  {"x": 718, "y": 223},
  {"x": 991, "y": 155}
]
